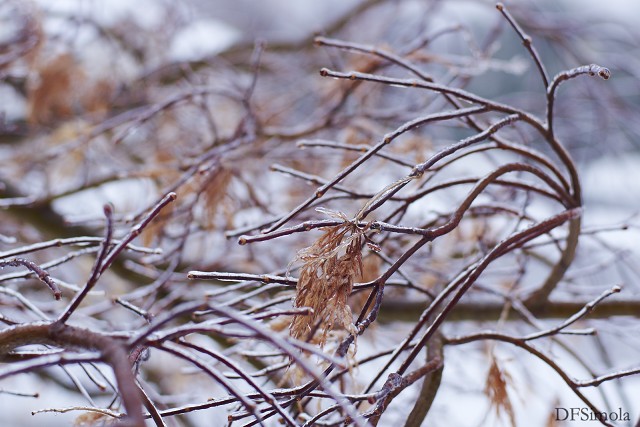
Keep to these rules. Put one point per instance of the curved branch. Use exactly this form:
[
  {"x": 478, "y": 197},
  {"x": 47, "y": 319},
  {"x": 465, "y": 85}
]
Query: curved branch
[
  {"x": 112, "y": 352},
  {"x": 494, "y": 336},
  {"x": 40, "y": 272}
]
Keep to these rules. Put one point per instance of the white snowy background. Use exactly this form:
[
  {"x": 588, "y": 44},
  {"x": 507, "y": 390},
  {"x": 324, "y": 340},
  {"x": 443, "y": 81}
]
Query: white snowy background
[{"x": 611, "y": 186}]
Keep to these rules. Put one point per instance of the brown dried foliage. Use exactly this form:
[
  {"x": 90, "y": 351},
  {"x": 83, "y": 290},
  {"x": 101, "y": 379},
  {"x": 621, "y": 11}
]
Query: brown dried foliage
[
  {"x": 331, "y": 266},
  {"x": 214, "y": 193},
  {"x": 496, "y": 389},
  {"x": 50, "y": 97},
  {"x": 90, "y": 419},
  {"x": 60, "y": 89}
]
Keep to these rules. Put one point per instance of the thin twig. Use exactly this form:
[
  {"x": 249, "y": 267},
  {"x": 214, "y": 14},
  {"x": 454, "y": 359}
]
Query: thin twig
[
  {"x": 95, "y": 271},
  {"x": 527, "y": 42},
  {"x": 43, "y": 276}
]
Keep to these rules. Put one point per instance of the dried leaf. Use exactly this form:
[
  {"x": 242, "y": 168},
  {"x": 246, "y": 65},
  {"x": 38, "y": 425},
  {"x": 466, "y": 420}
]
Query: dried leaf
[
  {"x": 331, "y": 266},
  {"x": 90, "y": 419},
  {"x": 51, "y": 94},
  {"x": 214, "y": 193},
  {"x": 96, "y": 98},
  {"x": 496, "y": 389},
  {"x": 153, "y": 232}
]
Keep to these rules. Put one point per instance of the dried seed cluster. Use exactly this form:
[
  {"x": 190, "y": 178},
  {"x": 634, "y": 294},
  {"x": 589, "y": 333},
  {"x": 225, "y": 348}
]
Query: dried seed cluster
[{"x": 331, "y": 266}]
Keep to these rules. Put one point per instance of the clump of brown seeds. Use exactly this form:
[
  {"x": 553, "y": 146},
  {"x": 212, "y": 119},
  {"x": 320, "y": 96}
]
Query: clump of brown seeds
[{"x": 331, "y": 266}]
